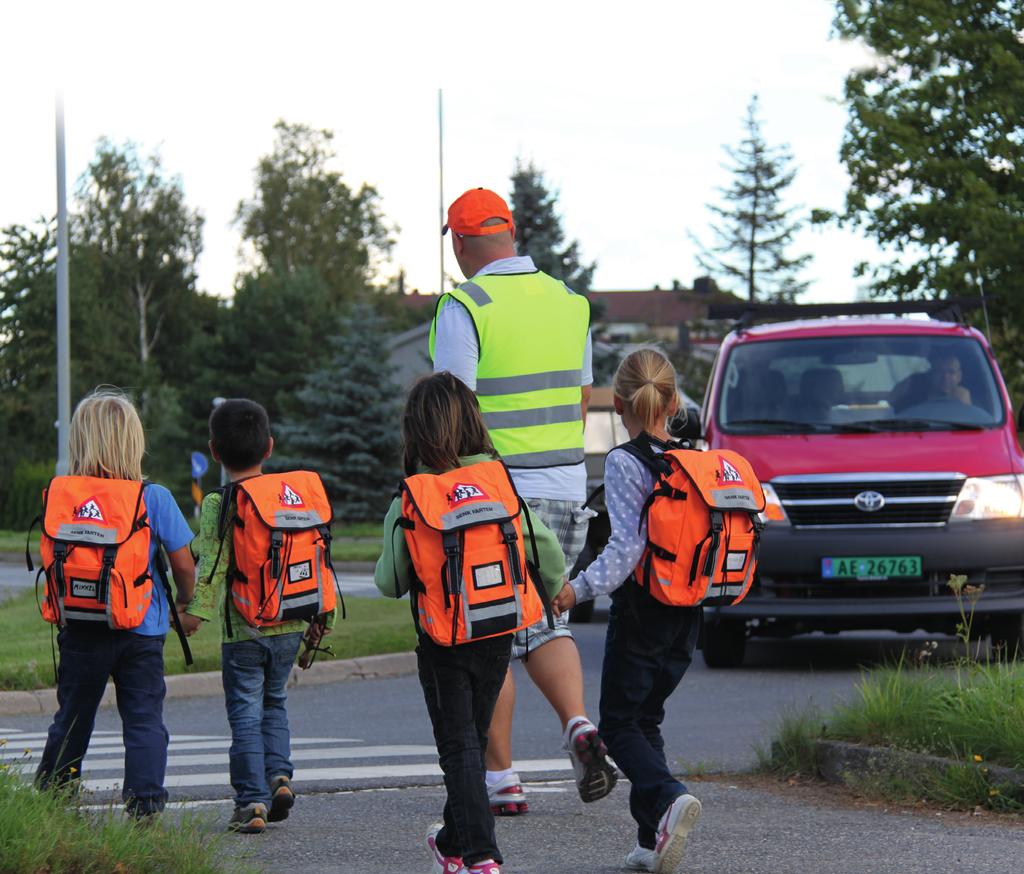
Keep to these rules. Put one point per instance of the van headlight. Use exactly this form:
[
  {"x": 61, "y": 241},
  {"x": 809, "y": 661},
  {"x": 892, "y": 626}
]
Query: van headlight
[
  {"x": 773, "y": 511},
  {"x": 990, "y": 497}
]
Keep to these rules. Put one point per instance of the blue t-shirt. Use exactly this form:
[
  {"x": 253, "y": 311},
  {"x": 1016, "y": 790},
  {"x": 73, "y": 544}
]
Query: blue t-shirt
[{"x": 167, "y": 527}]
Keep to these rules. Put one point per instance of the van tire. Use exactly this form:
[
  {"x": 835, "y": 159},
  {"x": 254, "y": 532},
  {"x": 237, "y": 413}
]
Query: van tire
[
  {"x": 1008, "y": 635},
  {"x": 725, "y": 643}
]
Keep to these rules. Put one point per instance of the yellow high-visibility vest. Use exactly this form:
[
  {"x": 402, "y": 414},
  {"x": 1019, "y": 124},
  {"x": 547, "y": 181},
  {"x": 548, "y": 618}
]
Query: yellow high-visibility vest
[{"x": 532, "y": 332}]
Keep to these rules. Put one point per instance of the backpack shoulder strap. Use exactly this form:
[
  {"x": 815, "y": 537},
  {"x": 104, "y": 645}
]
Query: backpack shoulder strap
[{"x": 640, "y": 449}]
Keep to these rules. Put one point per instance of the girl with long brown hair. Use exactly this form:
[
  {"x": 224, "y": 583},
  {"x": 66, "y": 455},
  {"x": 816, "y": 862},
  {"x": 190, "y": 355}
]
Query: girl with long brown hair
[{"x": 443, "y": 431}]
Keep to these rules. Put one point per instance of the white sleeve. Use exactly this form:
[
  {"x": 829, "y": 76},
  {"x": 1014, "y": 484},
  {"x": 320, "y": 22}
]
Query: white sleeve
[
  {"x": 456, "y": 348},
  {"x": 627, "y": 484}
]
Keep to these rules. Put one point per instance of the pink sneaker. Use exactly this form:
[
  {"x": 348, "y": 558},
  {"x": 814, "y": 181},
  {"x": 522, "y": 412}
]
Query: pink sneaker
[
  {"x": 507, "y": 797},
  {"x": 595, "y": 776},
  {"x": 673, "y": 830},
  {"x": 488, "y": 866},
  {"x": 442, "y": 864}
]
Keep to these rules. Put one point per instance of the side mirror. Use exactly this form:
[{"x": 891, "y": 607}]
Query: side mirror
[{"x": 685, "y": 425}]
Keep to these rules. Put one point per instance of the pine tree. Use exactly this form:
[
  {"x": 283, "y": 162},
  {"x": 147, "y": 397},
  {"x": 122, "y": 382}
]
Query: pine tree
[
  {"x": 539, "y": 231},
  {"x": 755, "y": 229},
  {"x": 343, "y": 421}
]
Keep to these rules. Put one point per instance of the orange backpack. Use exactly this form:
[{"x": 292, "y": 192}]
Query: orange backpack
[
  {"x": 465, "y": 537},
  {"x": 703, "y": 525},
  {"x": 282, "y": 546},
  {"x": 95, "y": 548}
]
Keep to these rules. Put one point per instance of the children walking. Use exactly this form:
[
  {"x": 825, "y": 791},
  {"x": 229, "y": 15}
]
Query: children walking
[
  {"x": 461, "y": 541},
  {"x": 241, "y": 559},
  {"x": 103, "y": 526},
  {"x": 649, "y": 644}
]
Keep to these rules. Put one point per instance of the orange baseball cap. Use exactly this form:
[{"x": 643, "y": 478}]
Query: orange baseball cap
[{"x": 468, "y": 213}]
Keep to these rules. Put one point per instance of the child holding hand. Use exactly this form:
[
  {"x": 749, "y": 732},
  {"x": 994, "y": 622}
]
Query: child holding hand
[
  {"x": 457, "y": 539},
  {"x": 649, "y": 644}
]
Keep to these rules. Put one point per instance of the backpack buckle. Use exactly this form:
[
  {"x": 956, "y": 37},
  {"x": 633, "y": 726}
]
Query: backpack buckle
[
  {"x": 717, "y": 522},
  {"x": 276, "y": 542}
]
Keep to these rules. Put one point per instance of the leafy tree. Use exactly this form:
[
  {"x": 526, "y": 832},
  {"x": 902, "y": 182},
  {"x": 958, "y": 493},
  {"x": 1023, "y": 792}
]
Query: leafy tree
[
  {"x": 304, "y": 216},
  {"x": 275, "y": 332},
  {"x": 143, "y": 239},
  {"x": 539, "y": 231},
  {"x": 344, "y": 420},
  {"x": 755, "y": 229},
  {"x": 934, "y": 145}
]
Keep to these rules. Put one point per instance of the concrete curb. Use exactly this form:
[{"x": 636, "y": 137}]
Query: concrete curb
[
  {"x": 843, "y": 762},
  {"x": 208, "y": 683}
]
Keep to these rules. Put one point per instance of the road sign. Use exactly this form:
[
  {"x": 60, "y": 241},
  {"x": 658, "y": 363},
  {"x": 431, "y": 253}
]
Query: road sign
[{"x": 199, "y": 465}]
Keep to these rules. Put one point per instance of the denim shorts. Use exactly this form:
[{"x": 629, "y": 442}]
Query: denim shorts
[{"x": 568, "y": 520}]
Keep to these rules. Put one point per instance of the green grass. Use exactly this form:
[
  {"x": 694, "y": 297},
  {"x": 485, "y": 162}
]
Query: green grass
[
  {"x": 47, "y": 833},
  {"x": 971, "y": 713},
  {"x": 373, "y": 626},
  {"x": 14, "y": 541}
]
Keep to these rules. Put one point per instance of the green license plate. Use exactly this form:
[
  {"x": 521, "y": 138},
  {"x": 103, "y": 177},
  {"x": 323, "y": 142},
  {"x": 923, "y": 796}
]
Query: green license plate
[{"x": 871, "y": 567}]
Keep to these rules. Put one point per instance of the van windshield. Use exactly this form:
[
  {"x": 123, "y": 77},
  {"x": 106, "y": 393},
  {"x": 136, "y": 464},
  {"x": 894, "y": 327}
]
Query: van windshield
[{"x": 859, "y": 384}]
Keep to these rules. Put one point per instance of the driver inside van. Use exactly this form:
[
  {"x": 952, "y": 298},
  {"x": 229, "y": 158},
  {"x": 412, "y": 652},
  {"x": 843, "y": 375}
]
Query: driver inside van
[{"x": 941, "y": 381}]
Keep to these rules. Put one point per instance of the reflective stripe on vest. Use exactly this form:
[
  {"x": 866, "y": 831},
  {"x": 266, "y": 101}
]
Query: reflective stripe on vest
[{"x": 533, "y": 334}]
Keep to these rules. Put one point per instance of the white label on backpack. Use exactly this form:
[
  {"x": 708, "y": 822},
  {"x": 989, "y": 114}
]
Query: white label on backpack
[
  {"x": 302, "y": 570},
  {"x": 89, "y": 511},
  {"x": 84, "y": 588},
  {"x": 735, "y": 561},
  {"x": 487, "y": 576}
]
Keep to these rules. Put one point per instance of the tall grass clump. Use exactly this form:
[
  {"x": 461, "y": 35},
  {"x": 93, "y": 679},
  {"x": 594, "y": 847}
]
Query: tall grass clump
[{"x": 49, "y": 833}]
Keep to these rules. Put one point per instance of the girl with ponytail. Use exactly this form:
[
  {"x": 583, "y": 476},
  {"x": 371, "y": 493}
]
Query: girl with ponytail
[{"x": 649, "y": 644}]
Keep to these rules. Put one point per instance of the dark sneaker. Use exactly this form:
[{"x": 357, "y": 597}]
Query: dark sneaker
[
  {"x": 282, "y": 798},
  {"x": 595, "y": 776},
  {"x": 249, "y": 820}
]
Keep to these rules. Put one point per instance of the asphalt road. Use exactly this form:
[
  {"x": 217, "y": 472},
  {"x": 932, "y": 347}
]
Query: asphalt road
[{"x": 367, "y": 771}]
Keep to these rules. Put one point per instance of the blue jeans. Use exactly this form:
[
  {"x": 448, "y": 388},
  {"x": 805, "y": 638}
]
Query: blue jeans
[
  {"x": 648, "y": 648},
  {"x": 255, "y": 675},
  {"x": 136, "y": 665}
]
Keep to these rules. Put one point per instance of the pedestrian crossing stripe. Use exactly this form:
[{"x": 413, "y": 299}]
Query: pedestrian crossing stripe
[{"x": 193, "y": 759}]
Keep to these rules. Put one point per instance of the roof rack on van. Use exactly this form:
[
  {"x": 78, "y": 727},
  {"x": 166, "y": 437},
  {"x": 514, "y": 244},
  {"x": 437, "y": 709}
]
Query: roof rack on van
[{"x": 747, "y": 314}]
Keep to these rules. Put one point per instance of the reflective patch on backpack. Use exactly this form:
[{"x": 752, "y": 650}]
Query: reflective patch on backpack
[
  {"x": 86, "y": 533},
  {"x": 462, "y": 492},
  {"x": 89, "y": 511},
  {"x": 302, "y": 570},
  {"x": 729, "y": 473},
  {"x": 487, "y": 576}
]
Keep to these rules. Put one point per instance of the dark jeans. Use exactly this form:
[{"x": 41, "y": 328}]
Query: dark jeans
[
  {"x": 136, "y": 664},
  {"x": 461, "y": 686},
  {"x": 255, "y": 675},
  {"x": 648, "y": 649}
]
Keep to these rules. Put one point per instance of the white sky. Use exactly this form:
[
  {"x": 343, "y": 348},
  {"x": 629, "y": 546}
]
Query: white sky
[{"x": 624, "y": 106}]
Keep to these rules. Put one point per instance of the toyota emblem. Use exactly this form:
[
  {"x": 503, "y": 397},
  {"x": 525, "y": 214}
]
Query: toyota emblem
[{"x": 869, "y": 502}]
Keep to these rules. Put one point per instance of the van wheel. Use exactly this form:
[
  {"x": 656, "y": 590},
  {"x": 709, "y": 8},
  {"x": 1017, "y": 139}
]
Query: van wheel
[
  {"x": 582, "y": 613},
  {"x": 1008, "y": 636},
  {"x": 725, "y": 643}
]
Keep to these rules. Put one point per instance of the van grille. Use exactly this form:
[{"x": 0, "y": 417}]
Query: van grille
[{"x": 829, "y": 500}]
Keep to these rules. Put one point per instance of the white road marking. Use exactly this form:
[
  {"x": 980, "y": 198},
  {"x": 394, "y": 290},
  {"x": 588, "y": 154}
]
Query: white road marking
[
  {"x": 381, "y": 752},
  {"x": 361, "y": 772}
]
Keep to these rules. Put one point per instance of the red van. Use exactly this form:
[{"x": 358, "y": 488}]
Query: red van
[{"x": 890, "y": 459}]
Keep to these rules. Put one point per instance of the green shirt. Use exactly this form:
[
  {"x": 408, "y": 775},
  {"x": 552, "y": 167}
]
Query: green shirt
[
  {"x": 396, "y": 561},
  {"x": 210, "y": 596}
]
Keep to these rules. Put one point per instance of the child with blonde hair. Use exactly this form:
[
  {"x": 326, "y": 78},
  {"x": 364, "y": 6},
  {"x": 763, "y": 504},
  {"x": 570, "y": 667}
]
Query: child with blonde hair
[
  {"x": 107, "y": 442},
  {"x": 649, "y": 644}
]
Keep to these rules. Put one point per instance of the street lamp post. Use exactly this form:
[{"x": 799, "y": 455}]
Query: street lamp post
[{"x": 63, "y": 302}]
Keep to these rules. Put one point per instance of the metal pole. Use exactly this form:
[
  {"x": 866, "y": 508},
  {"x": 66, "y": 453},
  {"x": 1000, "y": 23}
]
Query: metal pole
[
  {"x": 440, "y": 185},
  {"x": 63, "y": 302}
]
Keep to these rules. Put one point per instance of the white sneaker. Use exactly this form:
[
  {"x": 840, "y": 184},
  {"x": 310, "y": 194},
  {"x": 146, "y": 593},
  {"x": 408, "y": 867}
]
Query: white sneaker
[
  {"x": 595, "y": 776},
  {"x": 442, "y": 864},
  {"x": 640, "y": 859},
  {"x": 673, "y": 830},
  {"x": 507, "y": 796}
]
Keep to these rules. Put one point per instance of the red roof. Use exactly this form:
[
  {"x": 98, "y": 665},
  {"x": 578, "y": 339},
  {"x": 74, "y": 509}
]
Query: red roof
[{"x": 660, "y": 307}]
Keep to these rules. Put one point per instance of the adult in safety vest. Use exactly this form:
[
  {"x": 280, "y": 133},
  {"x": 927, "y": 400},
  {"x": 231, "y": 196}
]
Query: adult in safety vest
[{"x": 521, "y": 340}]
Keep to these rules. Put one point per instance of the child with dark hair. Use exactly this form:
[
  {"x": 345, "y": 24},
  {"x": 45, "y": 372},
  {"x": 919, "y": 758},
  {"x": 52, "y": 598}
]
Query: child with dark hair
[
  {"x": 256, "y": 662},
  {"x": 450, "y": 461}
]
